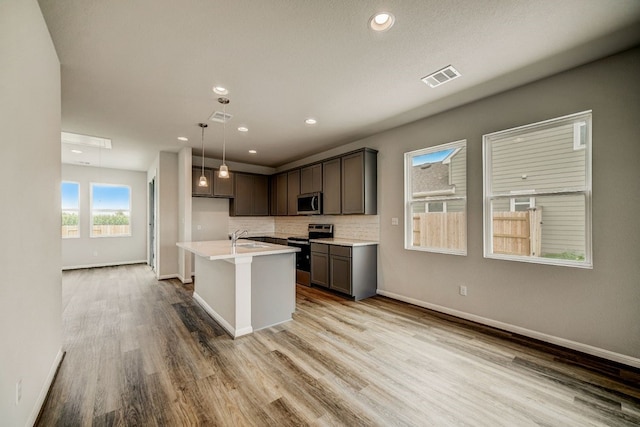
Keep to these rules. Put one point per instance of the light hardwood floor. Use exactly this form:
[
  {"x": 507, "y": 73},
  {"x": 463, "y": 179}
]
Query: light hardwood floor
[{"x": 142, "y": 352}]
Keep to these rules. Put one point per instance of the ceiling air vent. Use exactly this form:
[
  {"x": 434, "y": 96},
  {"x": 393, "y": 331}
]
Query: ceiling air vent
[
  {"x": 441, "y": 76},
  {"x": 85, "y": 140},
  {"x": 220, "y": 117}
]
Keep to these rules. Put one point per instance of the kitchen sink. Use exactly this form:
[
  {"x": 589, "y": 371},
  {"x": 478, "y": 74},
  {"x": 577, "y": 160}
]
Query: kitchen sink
[{"x": 251, "y": 245}]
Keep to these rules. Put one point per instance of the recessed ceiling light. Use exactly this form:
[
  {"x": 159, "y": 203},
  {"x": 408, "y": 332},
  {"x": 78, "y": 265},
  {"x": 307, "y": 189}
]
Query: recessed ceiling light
[
  {"x": 442, "y": 76},
  {"x": 76, "y": 151},
  {"x": 243, "y": 129},
  {"x": 183, "y": 138},
  {"x": 381, "y": 21},
  {"x": 220, "y": 90},
  {"x": 253, "y": 152},
  {"x": 311, "y": 121}
]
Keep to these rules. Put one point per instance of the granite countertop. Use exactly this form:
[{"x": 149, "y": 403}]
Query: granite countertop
[
  {"x": 221, "y": 249},
  {"x": 344, "y": 242}
]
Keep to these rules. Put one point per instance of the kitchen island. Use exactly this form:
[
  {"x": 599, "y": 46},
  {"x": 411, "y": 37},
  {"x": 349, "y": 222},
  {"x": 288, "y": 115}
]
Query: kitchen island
[{"x": 246, "y": 288}]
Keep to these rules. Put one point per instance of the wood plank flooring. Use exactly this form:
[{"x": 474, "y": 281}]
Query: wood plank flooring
[{"x": 142, "y": 352}]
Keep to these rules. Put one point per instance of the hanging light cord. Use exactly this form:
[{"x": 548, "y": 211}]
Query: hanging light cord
[
  {"x": 224, "y": 127},
  {"x": 202, "y": 127}
]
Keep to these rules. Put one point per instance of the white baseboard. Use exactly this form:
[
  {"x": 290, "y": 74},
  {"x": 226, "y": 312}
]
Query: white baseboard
[
  {"x": 42, "y": 396},
  {"x": 103, "y": 264},
  {"x": 573, "y": 345},
  {"x": 185, "y": 281},
  {"x": 235, "y": 333},
  {"x": 168, "y": 276}
]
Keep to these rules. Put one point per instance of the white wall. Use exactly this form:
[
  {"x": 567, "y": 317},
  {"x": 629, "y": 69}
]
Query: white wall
[
  {"x": 167, "y": 215},
  {"x": 184, "y": 213},
  {"x": 86, "y": 251},
  {"x": 597, "y": 310},
  {"x": 30, "y": 256}
]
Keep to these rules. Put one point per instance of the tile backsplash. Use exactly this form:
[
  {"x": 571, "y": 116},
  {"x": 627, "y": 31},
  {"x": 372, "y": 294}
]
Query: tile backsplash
[
  {"x": 255, "y": 225},
  {"x": 361, "y": 227}
]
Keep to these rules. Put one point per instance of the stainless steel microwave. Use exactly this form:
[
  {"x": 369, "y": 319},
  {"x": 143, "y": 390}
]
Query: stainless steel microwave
[{"x": 310, "y": 204}]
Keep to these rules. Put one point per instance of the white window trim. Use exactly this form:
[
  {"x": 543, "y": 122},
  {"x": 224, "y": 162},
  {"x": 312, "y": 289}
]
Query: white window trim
[
  {"x": 410, "y": 201},
  {"x": 577, "y": 132},
  {"x": 488, "y": 197},
  {"x": 444, "y": 206},
  {"x": 78, "y": 210},
  {"x": 91, "y": 235},
  {"x": 512, "y": 203}
]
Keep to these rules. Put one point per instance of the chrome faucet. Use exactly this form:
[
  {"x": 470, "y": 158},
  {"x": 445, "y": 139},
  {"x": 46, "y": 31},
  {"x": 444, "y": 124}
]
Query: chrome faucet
[{"x": 235, "y": 236}]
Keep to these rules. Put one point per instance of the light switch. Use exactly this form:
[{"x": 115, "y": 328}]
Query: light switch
[{"x": 394, "y": 221}]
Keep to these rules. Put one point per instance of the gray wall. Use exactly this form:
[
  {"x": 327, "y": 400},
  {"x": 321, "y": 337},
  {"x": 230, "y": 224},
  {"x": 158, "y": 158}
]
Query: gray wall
[
  {"x": 86, "y": 251},
  {"x": 30, "y": 255},
  {"x": 595, "y": 310}
]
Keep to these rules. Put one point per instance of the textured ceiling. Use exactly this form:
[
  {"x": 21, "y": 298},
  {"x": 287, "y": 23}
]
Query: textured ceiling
[{"x": 141, "y": 72}]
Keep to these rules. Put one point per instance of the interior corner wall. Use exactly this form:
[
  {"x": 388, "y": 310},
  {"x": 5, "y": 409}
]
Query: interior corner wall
[
  {"x": 592, "y": 310},
  {"x": 86, "y": 251},
  {"x": 184, "y": 213},
  {"x": 30, "y": 254},
  {"x": 167, "y": 216}
]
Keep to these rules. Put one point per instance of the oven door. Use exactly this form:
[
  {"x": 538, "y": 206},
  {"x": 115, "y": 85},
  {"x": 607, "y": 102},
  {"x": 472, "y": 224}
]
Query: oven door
[{"x": 303, "y": 261}]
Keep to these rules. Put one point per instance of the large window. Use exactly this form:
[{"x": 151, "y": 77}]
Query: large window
[
  {"x": 537, "y": 192},
  {"x": 436, "y": 199},
  {"x": 110, "y": 210},
  {"x": 70, "y": 192}
]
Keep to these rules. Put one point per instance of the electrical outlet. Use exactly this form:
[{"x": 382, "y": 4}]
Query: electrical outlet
[
  {"x": 18, "y": 391},
  {"x": 394, "y": 221},
  {"x": 463, "y": 290},
  {"x": 95, "y": 253}
]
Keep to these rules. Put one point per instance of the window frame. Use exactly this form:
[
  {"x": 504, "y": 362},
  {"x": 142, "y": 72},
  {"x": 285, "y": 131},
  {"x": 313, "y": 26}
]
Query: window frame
[
  {"x": 585, "y": 191},
  {"x": 91, "y": 210},
  {"x": 78, "y": 209},
  {"x": 409, "y": 201}
]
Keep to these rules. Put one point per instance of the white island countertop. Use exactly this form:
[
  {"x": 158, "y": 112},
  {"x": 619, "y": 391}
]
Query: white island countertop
[{"x": 222, "y": 249}]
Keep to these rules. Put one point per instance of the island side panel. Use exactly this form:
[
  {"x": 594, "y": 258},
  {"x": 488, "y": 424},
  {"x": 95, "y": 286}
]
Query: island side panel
[
  {"x": 273, "y": 289},
  {"x": 215, "y": 286}
]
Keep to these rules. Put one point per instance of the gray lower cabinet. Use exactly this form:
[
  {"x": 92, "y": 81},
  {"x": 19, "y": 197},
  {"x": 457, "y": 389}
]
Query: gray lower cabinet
[
  {"x": 320, "y": 264},
  {"x": 351, "y": 270}
]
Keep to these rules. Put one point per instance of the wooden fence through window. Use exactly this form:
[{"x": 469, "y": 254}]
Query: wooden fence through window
[
  {"x": 518, "y": 233},
  {"x": 111, "y": 230},
  {"x": 443, "y": 230}
]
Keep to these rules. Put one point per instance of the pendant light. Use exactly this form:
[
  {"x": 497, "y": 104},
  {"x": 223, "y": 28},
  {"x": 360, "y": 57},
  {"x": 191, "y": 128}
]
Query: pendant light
[
  {"x": 224, "y": 169},
  {"x": 203, "y": 179}
]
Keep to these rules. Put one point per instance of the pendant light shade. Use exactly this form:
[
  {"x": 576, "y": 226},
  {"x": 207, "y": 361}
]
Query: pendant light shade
[
  {"x": 202, "y": 182},
  {"x": 224, "y": 169}
]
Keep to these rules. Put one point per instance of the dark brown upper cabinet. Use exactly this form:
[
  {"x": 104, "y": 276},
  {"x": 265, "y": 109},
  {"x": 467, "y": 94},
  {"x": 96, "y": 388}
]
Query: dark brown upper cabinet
[
  {"x": 251, "y": 195},
  {"x": 311, "y": 179},
  {"x": 359, "y": 182},
  {"x": 293, "y": 190}
]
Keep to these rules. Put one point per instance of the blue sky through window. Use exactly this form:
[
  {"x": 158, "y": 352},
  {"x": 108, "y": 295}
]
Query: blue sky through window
[
  {"x": 70, "y": 195},
  {"x": 438, "y": 156},
  {"x": 110, "y": 197}
]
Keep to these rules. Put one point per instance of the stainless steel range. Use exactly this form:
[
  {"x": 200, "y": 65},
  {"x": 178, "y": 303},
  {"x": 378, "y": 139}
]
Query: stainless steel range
[{"x": 303, "y": 258}]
